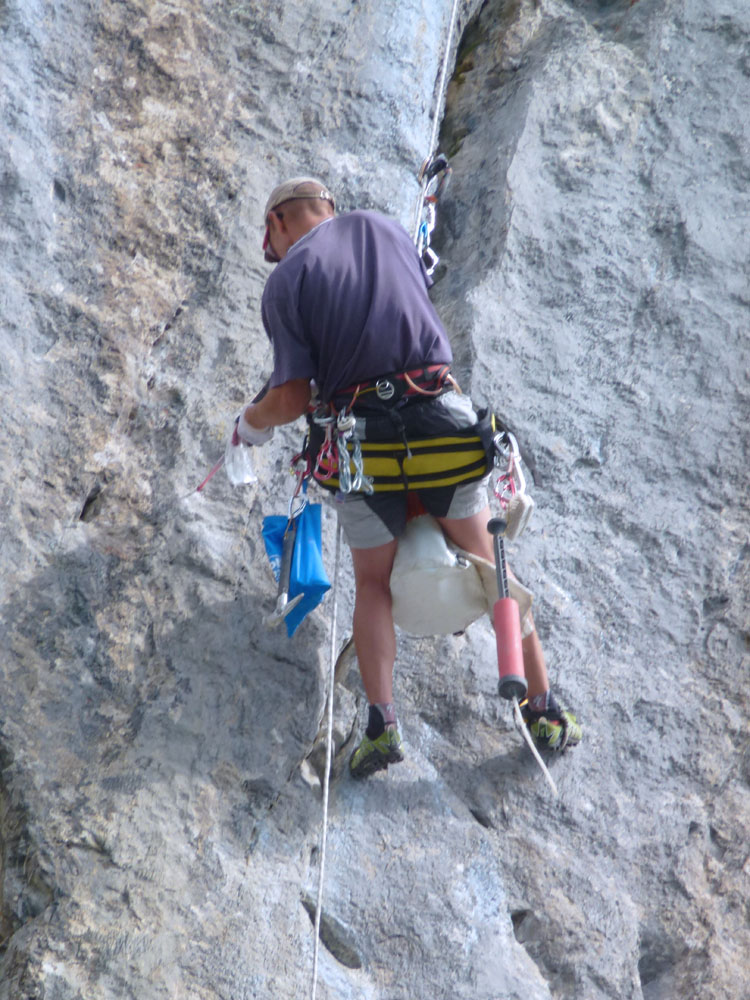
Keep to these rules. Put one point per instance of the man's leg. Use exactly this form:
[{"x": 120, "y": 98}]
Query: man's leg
[
  {"x": 375, "y": 642},
  {"x": 550, "y": 725},
  {"x": 374, "y": 635},
  {"x": 470, "y": 533},
  {"x": 371, "y": 526}
]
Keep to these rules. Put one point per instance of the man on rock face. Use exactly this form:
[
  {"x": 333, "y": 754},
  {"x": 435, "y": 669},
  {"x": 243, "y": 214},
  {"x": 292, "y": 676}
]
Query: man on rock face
[{"x": 347, "y": 309}]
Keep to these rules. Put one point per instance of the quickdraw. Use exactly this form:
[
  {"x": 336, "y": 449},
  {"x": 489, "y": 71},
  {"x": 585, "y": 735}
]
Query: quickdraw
[
  {"x": 326, "y": 461},
  {"x": 434, "y": 169},
  {"x": 333, "y": 456},
  {"x": 346, "y": 431},
  {"x": 510, "y": 485}
]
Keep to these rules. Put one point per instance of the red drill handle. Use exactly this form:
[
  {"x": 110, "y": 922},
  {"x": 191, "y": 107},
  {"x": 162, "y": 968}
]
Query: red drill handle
[{"x": 507, "y": 621}]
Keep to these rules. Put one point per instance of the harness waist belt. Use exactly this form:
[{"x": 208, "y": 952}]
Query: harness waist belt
[
  {"x": 422, "y": 449},
  {"x": 387, "y": 390}
]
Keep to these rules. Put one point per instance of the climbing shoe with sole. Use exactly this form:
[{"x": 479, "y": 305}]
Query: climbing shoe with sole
[
  {"x": 554, "y": 728},
  {"x": 376, "y": 754}
]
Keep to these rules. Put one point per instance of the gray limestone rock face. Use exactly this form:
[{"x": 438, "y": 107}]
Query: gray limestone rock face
[{"x": 162, "y": 750}]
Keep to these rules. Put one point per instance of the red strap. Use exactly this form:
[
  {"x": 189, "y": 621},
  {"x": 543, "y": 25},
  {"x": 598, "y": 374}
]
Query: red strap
[{"x": 414, "y": 506}]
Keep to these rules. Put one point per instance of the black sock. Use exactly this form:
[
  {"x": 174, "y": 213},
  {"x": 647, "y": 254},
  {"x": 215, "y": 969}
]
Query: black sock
[
  {"x": 540, "y": 702},
  {"x": 379, "y": 716}
]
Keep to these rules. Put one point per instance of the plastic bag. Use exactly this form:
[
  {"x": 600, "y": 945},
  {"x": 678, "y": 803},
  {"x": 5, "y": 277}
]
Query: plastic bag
[
  {"x": 308, "y": 576},
  {"x": 238, "y": 462}
]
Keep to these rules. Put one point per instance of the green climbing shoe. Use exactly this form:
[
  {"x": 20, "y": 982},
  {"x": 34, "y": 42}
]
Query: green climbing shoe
[
  {"x": 553, "y": 729},
  {"x": 376, "y": 755}
]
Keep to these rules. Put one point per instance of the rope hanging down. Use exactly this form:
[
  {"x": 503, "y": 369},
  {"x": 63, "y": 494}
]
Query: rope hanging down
[
  {"x": 442, "y": 85},
  {"x": 326, "y": 779},
  {"x": 425, "y": 177}
]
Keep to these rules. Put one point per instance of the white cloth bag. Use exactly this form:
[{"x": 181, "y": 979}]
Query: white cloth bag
[{"x": 437, "y": 588}]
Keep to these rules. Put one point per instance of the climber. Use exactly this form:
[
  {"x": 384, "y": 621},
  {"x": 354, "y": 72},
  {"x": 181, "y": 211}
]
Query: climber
[{"x": 347, "y": 310}]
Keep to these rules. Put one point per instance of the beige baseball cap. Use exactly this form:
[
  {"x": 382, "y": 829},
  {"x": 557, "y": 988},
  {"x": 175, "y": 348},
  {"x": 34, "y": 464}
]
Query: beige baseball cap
[{"x": 292, "y": 190}]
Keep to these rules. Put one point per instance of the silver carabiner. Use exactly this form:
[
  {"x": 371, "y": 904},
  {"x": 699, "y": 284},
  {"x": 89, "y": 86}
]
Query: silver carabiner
[
  {"x": 430, "y": 260},
  {"x": 345, "y": 423}
]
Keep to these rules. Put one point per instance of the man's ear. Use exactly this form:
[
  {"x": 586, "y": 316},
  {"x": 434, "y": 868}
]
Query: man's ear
[{"x": 279, "y": 222}]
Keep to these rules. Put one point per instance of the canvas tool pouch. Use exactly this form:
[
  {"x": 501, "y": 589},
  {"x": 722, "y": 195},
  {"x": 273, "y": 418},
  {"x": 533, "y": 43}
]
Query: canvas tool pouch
[{"x": 439, "y": 589}]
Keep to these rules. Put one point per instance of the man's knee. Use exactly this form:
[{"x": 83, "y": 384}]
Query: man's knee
[{"x": 372, "y": 567}]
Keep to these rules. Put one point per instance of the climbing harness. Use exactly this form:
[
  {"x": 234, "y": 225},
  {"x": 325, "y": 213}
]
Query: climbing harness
[
  {"x": 364, "y": 441},
  {"x": 386, "y": 391},
  {"x": 415, "y": 463},
  {"x": 368, "y": 440}
]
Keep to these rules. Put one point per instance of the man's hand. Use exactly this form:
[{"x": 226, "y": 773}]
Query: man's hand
[
  {"x": 245, "y": 432},
  {"x": 280, "y": 405}
]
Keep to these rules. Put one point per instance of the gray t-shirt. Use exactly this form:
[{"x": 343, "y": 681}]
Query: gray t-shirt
[{"x": 349, "y": 303}]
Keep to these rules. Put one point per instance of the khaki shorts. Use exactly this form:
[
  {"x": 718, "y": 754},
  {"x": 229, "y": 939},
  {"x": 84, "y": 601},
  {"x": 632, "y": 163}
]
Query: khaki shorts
[{"x": 369, "y": 521}]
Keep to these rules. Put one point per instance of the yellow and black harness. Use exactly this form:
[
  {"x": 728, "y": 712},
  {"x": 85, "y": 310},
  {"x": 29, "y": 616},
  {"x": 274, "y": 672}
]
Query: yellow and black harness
[{"x": 395, "y": 438}]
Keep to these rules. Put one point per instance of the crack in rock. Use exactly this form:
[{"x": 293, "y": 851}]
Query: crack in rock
[{"x": 335, "y": 938}]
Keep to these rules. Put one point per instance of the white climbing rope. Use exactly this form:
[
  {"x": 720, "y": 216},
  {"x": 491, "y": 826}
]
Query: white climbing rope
[
  {"x": 527, "y": 736},
  {"x": 326, "y": 779},
  {"x": 436, "y": 116}
]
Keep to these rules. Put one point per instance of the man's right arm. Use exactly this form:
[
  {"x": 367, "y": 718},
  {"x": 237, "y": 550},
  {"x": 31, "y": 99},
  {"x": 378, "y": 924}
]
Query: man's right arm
[{"x": 280, "y": 405}]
